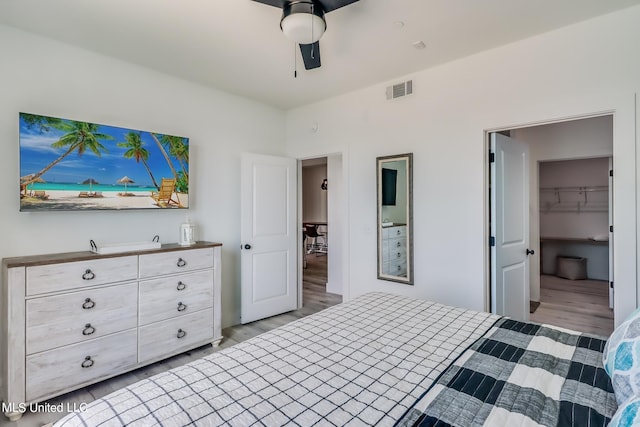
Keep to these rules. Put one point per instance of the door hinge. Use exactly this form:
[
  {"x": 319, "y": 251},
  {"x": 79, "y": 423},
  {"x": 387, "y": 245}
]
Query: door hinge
[
  {"x": 492, "y": 241},
  {"x": 492, "y": 157},
  {"x": 611, "y": 229},
  {"x": 611, "y": 172},
  {"x": 611, "y": 285}
]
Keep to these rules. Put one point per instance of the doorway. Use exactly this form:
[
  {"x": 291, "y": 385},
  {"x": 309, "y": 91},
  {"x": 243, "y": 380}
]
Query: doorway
[
  {"x": 574, "y": 220},
  {"x": 321, "y": 224},
  {"x": 577, "y": 139},
  {"x": 314, "y": 226}
]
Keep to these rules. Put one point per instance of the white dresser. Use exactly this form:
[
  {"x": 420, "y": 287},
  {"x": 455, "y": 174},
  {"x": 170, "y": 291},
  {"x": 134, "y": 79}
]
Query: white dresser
[
  {"x": 394, "y": 250},
  {"x": 72, "y": 319}
]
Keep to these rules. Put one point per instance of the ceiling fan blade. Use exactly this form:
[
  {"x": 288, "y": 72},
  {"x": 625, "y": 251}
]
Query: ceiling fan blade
[
  {"x": 310, "y": 55},
  {"x": 329, "y": 5},
  {"x": 276, "y": 3}
]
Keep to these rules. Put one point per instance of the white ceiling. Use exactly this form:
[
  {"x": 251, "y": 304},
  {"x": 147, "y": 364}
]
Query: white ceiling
[{"x": 237, "y": 45}]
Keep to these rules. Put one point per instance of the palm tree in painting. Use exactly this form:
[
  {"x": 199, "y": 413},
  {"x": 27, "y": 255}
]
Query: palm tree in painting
[
  {"x": 135, "y": 150},
  {"x": 178, "y": 148},
  {"x": 80, "y": 137},
  {"x": 165, "y": 154},
  {"x": 42, "y": 123}
]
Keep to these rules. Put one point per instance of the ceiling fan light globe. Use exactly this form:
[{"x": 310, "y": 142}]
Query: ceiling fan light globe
[{"x": 303, "y": 28}]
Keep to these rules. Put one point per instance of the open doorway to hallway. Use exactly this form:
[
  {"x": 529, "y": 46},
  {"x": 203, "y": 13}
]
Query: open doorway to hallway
[{"x": 316, "y": 232}]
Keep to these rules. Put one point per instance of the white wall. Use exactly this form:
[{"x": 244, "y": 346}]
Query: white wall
[
  {"x": 336, "y": 208},
  {"x": 45, "y": 77},
  {"x": 587, "y": 68}
]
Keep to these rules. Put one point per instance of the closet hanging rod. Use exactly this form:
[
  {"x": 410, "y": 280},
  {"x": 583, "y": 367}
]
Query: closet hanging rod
[{"x": 575, "y": 189}]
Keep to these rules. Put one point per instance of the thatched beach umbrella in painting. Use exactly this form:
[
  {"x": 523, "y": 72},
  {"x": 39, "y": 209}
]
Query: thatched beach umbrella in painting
[
  {"x": 125, "y": 180},
  {"x": 28, "y": 182},
  {"x": 89, "y": 181}
]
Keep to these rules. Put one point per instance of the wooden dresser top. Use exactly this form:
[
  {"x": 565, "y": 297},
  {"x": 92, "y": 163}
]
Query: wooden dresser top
[{"x": 31, "y": 260}]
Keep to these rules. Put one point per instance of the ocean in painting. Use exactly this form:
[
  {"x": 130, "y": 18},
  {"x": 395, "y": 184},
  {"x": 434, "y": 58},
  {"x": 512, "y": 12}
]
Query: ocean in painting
[{"x": 50, "y": 186}]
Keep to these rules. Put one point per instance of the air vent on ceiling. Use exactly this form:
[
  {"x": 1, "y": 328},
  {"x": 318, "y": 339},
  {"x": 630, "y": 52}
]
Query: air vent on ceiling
[{"x": 400, "y": 89}]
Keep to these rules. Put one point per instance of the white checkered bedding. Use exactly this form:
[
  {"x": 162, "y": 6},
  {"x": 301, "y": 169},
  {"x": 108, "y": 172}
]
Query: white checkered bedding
[{"x": 363, "y": 362}]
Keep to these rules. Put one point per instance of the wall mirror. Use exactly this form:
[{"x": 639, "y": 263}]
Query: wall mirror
[{"x": 395, "y": 217}]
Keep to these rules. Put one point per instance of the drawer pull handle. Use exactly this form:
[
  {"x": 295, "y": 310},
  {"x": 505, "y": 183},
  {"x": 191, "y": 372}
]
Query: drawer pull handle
[
  {"x": 88, "y": 304},
  {"x": 181, "y": 307},
  {"x": 88, "y": 329},
  {"x": 181, "y": 286},
  {"x": 399, "y": 255},
  {"x": 181, "y": 262},
  {"x": 181, "y": 333},
  {"x": 87, "y": 362},
  {"x": 398, "y": 232},
  {"x": 88, "y": 275}
]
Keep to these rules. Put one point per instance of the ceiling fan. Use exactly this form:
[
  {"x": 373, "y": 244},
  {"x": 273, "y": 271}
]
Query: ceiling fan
[{"x": 303, "y": 22}]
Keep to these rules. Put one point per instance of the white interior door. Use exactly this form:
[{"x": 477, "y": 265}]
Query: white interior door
[
  {"x": 268, "y": 236},
  {"x": 510, "y": 227}
]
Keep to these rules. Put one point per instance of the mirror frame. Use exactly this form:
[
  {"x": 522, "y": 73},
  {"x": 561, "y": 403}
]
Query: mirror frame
[{"x": 380, "y": 161}]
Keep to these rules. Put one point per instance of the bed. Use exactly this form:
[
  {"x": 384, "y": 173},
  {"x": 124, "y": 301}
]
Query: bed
[{"x": 382, "y": 360}]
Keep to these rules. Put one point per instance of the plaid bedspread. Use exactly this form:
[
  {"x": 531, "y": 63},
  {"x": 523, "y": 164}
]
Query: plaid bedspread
[
  {"x": 521, "y": 374},
  {"x": 363, "y": 362}
]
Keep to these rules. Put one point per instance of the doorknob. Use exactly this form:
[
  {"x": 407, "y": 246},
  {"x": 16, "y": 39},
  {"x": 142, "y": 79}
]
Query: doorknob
[
  {"x": 247, "y": 246},
  {"x": 530, "y": 251}
]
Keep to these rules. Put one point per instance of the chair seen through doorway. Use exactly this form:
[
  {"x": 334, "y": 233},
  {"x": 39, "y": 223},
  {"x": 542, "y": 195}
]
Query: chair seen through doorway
[{"x": 318, "y": 240}]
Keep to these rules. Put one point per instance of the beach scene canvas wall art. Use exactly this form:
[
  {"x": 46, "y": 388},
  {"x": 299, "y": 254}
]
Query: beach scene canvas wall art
[{"x": 74, "y": 165}]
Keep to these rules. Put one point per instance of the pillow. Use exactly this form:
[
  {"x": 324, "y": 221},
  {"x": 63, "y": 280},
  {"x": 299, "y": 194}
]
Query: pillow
[
  {"x": 621, "y": 358},
  {"x": 627, "y": 415}
]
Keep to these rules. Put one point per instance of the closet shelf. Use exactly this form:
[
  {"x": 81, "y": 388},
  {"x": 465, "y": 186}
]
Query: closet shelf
[
  {"x": 574, "y": 199},
  {"x": 587, "y": 189}
]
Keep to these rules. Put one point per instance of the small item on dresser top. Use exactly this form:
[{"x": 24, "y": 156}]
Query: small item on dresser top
[
  {"x": 187, "y": 233},
  {"x": 114, "y": 248}
]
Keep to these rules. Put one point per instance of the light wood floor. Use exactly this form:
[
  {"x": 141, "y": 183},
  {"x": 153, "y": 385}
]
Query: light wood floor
[
  {"x": 315, "y": 298},
  {"x": 582, "y": 305}
]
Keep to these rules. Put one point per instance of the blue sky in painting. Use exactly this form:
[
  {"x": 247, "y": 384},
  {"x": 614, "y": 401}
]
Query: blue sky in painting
[{"x": 36, "y": 153}]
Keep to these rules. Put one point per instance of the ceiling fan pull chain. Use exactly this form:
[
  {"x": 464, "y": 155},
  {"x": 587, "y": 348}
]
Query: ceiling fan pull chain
[
  {"x": 313, "y": 6},
  {"x": 295, "y": 61}
]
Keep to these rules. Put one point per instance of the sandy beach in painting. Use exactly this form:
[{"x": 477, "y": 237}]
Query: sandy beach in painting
[{"x": 72, "y": 200}]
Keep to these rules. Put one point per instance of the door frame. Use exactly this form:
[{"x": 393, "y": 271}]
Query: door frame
[
  {"x": 338, "y": 259},
  {"x": 623, "y": 109}
]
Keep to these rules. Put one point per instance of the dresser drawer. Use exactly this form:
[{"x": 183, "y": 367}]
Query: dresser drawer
[
  {"x": 175, "y": 262},
  {"x": 176, "y": 295},
  {"x": 73, "y": 275},
  {"x": 171, "y": 336},
  {"x": 59, "y": 320},
  {"x": 400, "y": 231},
  {"x": 397, "y": 253},
  {"x": 66, "y": 367},
  {"x": 395, "y": 267}
]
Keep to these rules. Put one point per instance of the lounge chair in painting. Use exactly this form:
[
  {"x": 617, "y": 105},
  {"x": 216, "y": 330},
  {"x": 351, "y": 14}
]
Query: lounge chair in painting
[
  {"x": 40, "y": 194},
  {"x": 164, "y": 195},
  {"x": 97, "y": 194},
  {"x": 84, "y": 194}
]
